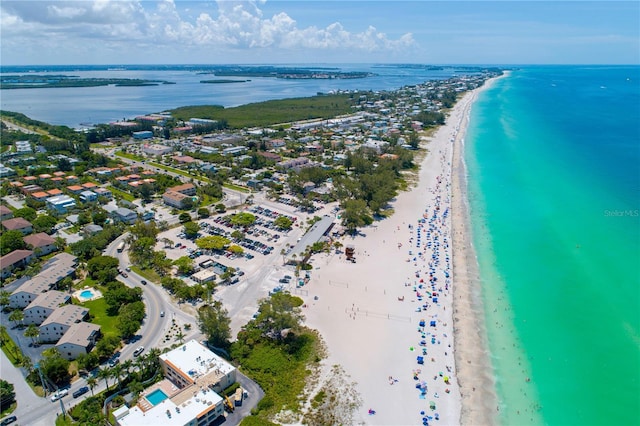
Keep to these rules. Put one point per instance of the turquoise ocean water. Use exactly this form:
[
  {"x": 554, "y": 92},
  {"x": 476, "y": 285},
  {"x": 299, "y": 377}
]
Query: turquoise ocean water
[{"x": 553, "y": 158}]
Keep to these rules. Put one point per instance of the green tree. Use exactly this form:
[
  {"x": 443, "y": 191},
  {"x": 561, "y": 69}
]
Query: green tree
[
  {"x": 10, "y": 241},
  {"x": 191, "y": 229},
  {"x": 203, "y": 212},
  {"x": 26, "y": 213},
  {"x": 104, "y": 269},
  {"x": 17, "y": 316},
  {"x": 99, "y": 217},
  {"x": 130, "y": 318},
  {"x": 243, "y": 219},
  {"x": 185, "y": 265},
  {"x": 278, "y": 313},
  {"x": 105, "y": 374},
  {"x": 214, "y": 322},
  {"x": 184, "y": 217},
  {"x": 54, "y": 366},
  {"x": 32, "y": 332},
  {"x": 44, "y": 223},
  {"x": 88, "y": 361},
  {"x": 283, "y": 222},
  {"x": 213, "y": 242},
  {"x": 355, "y": 215},
  {"x": 235, "y": 249},
  {"x": 7, "y": 395},
  {"x": 92, "y": 382},
  {"x": 220, "y": 208},
  {"x": 4, "y": 299},
  {"x": 107, "y": 346}
]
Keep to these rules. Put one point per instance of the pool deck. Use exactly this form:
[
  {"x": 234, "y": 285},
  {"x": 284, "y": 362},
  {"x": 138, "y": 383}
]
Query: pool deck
[
  {"x": 165, "y": 386},
  {"x": 96, "y": 294}
]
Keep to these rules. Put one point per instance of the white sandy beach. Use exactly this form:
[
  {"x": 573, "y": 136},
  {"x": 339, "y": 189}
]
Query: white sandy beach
[{"x": 369, "y": 313}]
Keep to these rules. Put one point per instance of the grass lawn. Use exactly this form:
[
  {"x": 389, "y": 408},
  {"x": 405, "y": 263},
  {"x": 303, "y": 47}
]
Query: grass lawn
[
  {"x": 129, "y": 156},
  {"x": 149, "y": 274},
  {"x": 237, "y": 188},
  {"x": 10, "y": 349},
  {"x": 9, "y": 409},
  {"x": 121, "y": 194},
  {"x": 98, "y": 310},
  {"x": 180, "y": 172}
]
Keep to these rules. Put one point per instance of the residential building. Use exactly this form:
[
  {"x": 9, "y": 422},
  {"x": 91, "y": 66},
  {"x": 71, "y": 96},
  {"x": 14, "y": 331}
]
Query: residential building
[
  {"x": 88, "y": 196},
  {"x": 234, "y": 150},
  {"x": 156, "y": 149},
  {"x": 193, "y": 374},
  {"x": 18, "y": 224},
  {"x": 41, "y": 243},
  {"x": 58, "y": 267},
  {"x": 60, "y": 320},
  {"x": 42, "y": 306},
  {"x": 186, "y": 189},
  {"x": 5, "y": 213},
  {"x": 103, "y": 192},
  {"x": 6, "y": 171},
  {"x": 174, "y": 199},
  {"x": 124, "y": 215},
  {"x": 79, "y": 339},
  {"x": 91, "y": 229},
  {"x": 15, "y": 259},
  {"x": 61, "y": 204},
  {"x": 294, "y": 163}
]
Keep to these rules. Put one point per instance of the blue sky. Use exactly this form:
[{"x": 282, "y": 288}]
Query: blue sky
[{"x": 328, "y": 31}]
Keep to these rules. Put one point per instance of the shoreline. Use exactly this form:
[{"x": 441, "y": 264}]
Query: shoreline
[
  {"x": 398, "y": 296},
  {"x": 475, "y": 371}
]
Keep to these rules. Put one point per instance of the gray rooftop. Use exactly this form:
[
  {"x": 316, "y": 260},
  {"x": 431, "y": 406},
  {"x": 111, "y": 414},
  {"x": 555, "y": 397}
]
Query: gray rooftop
[{"x": 317, "y": 231}]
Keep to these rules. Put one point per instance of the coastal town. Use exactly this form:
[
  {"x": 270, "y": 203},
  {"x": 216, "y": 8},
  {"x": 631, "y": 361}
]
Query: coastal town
[{"x": 138, "y": 262}]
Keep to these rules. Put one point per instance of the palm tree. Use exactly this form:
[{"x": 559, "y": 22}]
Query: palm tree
[
  {"x": 33, "y": 332},
  {"x": 135, "y": 387},
  {"x": 4, "y": 299},
  {"x": 27, "y": 364},
  {"x": 16, "y": 316},
  {"x": 92, "y": 382},
  {"x": 116, "y": 372},
  {"x": 180, "y": 336},
  {"x": 127, "y": 365},
  {"x": 105, "y": 373}
]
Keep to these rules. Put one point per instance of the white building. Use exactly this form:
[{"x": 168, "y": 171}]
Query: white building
[
  {"x": 59, "y": 322},
  {"x": 193, "y": 374},
  {"x": 60, "y": 203},
  {"x": 44, "y": 305},
  {"x": 156, "y": 149},
  {"x": 79, "y": 339}
]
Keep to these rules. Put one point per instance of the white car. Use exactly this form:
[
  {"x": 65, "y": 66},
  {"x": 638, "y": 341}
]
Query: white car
[
  {"x": 61, "y": 393},
  {"x": 138, "y": 351}
]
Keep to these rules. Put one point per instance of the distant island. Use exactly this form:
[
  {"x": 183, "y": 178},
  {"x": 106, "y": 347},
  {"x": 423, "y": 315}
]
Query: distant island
[
  {"x": 35, "y": 81},
  {"x": 223, "y": 81},
  {"x": 284, "y": 72}
]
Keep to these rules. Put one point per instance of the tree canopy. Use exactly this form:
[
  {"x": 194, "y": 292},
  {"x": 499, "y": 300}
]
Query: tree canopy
[
  {"x": 214, "y": 322},
  {"x": 212, "y": 242}
]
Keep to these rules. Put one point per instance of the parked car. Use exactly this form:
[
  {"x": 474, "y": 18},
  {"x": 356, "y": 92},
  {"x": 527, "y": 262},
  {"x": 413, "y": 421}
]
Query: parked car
[
  {"x": 162, "y": 314},
  {"x": 124, "y": 274},
  {"x": 138, "y": 351},
  {"x": 8, "y": 420},
  {"x": 144, "y": 282},
  {"x": 61, "y": 393},
  {"x": 128, "y": 269},
  {"x": 81, "y": 391}
]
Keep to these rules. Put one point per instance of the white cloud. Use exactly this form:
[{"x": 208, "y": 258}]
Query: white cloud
[{"x": 165, "y": 24}]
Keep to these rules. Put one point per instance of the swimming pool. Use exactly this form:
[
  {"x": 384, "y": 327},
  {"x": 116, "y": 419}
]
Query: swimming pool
[
  {"x": 86, "y": 294},
  {"x": 156, "y": 397}
]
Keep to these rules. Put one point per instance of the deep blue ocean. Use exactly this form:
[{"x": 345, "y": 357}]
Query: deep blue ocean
[{"x": 553, "y": 158}]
